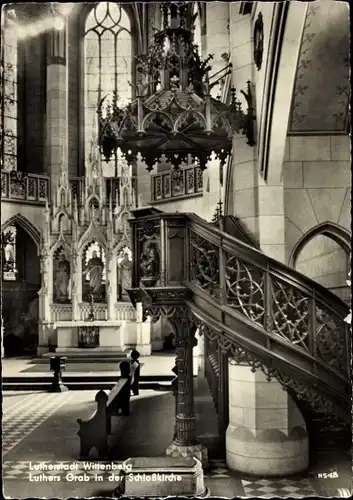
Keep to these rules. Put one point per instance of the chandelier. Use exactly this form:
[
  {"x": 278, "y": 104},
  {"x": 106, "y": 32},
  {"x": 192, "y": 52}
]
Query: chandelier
[{"x": 173, "y": 117}]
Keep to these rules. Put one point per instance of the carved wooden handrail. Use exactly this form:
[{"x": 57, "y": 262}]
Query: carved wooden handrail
[{"x": 262, "y": 261}]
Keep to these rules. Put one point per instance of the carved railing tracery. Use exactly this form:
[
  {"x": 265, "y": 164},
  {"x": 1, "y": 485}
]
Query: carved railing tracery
[
  {"x": 166, "y": 187},
  {"x": 19, "y": 187},
  {"x": 255, "y": 310},
  {"x": 301, "y": 315},
  {"x": 239, "y": 355}
]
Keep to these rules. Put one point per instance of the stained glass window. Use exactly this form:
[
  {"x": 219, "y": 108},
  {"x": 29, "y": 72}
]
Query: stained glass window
[
  {"x": 9, "y": 99},
  {"x": 9, "y": 254},
  {"x": 108, "y": 63},
  {"x": 197, "y": 26}
]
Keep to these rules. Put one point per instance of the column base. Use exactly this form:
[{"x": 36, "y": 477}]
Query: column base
[
  {"x": 185, "y": 451},
  {"x": 268, "y": 452}
]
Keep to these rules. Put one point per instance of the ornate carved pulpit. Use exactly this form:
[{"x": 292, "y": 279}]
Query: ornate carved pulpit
[{"x": 160, "y": 268}]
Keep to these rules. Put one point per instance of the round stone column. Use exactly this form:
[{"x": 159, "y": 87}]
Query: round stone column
[
  {"x": 57, "y": 104},
  {"x": 266, "y": 435}
]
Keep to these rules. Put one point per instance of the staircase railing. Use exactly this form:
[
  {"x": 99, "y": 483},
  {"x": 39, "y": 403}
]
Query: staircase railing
[
  {"x": 256, "y": 309},
  {"x": 270, "y": 294}
]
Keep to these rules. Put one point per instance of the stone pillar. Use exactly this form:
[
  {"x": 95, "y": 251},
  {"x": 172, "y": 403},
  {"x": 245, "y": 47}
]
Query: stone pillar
[
  {"x": 184, "y": 442},
  {"x": 45, "y": 295},
  {"x": 77, "y": 300},
  {"x": 259, "y": 205},
  {"x": 111, "y": 276},
  {"x": 57, "y": 105},
  {"x": 266, "y": 434},
  {"x": 74, "y": 285},
  {"x": 2, "y": 340}
]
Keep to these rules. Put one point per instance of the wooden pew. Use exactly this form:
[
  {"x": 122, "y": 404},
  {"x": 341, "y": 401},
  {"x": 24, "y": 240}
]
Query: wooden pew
[{"x": 94, "y": 432}]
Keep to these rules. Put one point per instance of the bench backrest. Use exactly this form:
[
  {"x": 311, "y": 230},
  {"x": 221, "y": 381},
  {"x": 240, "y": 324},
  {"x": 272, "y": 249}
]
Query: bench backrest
[
  {"x": 116, "y": 390},
  {"x": 133, "y": 369}
]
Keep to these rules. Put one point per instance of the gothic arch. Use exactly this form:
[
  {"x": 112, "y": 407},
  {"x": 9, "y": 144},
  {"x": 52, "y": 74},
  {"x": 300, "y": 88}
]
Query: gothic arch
[
  {"x": 61, "y": 242},
  {"x": 26, "y": 225},
  {"x": 92, "y": 234},
  {"x": 337, "y": 233}
]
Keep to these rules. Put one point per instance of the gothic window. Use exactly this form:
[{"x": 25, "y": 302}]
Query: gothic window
[
  {"x": 8, "y": 130},
  {"x": 9, "y": 254},
  {"x": 197, "y": 26},
  {"x": 108, "y": 65}
]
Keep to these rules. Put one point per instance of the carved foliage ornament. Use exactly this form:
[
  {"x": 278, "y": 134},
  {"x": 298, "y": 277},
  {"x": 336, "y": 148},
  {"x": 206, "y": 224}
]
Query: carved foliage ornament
[
  {"x": 237, "y": 354},
  {"x": 258, "y": 41}
]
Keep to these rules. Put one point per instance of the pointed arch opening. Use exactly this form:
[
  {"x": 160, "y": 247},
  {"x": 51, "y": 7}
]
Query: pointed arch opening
[
  {"x": 21, "y": 281},
  {"x": 323, "y": 255}
]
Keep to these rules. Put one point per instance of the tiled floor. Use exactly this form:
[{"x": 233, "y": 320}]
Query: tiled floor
[
  {"x": 268, "y": 488},
  {"x": 24, "y": 414},
  {"x": 42, "y": 427}
]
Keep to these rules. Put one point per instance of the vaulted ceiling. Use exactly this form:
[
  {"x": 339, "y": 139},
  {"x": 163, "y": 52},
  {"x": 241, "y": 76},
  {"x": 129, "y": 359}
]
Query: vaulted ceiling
[{"x": 321, "y": 93}]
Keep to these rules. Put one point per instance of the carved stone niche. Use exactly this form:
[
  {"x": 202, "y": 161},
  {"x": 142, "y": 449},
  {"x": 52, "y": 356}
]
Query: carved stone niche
[
  {"x": 147, "y": 256},
  {"x": 150, "y": 263},
  {"x": 61, "y": 276},
  {"x": 124, "y": 272},
  {"x": 94, "y": 273}
]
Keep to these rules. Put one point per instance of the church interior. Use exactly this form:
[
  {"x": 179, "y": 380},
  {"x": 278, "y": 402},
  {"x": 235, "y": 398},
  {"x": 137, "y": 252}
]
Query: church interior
[{"x": 176, "y": 245}]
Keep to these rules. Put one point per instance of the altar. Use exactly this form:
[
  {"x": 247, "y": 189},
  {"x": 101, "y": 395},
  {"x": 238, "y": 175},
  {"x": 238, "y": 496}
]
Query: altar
[
  {"x": 113, "y": 336},
  {"x": 109, "y": 335},
  {"x": 86, "y": 263}
]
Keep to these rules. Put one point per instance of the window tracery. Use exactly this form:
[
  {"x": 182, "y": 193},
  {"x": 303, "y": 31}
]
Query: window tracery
[
  {"x": 108, "y": 64},
  {"x": 9, "y": 100}
]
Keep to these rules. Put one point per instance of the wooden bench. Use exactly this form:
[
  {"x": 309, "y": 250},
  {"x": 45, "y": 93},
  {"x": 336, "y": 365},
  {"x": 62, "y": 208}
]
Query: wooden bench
[{"x": 94, "y": 432}]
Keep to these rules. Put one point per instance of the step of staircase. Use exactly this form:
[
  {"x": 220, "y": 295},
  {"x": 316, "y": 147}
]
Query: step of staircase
[
  {"x": 82, "y": 382},
  {"x": 91, "y": 356}
]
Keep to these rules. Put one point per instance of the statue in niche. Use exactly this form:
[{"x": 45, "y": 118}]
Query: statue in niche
[
  {"x": 150, "y": 265},
  {"x": 94, "y": 212},
  {"x": 124, "y": 271},
  {"x": 62, "y": 278},
  {"x": 95, "y": 269}
]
